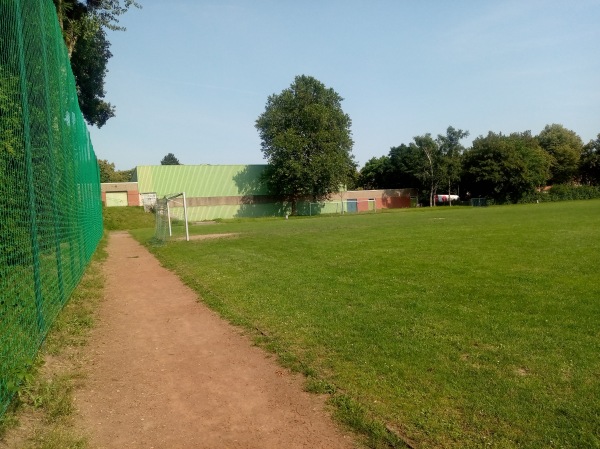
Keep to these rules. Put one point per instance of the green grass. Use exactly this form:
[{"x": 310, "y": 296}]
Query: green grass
[
  {"x": 446, "y": 327},
  {"x": 125, "y": 218},
  {"x": 41, "y": 415}
]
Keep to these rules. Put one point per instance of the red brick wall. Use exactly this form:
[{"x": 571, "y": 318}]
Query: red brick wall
[{"x": 133, "y": 198}]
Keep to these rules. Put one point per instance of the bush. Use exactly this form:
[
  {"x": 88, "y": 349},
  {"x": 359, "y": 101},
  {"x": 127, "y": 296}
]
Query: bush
[{"x": 562, "y": 192}]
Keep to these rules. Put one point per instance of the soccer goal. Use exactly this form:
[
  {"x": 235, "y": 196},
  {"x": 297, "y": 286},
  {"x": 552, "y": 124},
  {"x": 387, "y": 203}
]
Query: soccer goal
[{"x": 171, "y": 211}]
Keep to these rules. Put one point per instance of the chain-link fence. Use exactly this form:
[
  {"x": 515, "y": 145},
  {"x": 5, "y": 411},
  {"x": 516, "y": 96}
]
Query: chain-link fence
[{"x": 50, "y": 206}]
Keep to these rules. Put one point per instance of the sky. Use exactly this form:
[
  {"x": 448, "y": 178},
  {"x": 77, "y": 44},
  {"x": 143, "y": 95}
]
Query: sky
[{"x": 190, "y": 77}]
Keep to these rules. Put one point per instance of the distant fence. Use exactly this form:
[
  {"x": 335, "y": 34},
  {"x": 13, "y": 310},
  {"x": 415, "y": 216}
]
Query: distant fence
[{"x": 50, "y": 209}]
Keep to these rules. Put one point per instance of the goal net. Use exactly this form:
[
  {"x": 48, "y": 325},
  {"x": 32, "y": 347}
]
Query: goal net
[{"x": 171, "y": 218}]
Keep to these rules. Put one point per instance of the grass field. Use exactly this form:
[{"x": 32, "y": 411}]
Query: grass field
[{"x": 444, "y": 327}]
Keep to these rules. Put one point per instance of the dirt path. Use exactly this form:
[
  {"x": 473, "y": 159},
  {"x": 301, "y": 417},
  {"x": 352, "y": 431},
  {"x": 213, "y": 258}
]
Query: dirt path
[{"x": 166, "y": 372}]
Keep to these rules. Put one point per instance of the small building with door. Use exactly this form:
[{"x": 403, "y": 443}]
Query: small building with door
[{"x": 120, "y": 194}]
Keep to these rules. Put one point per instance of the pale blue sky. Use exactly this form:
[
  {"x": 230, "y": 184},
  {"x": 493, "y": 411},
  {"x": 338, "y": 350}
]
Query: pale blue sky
[{"x": 190, "y": 77}]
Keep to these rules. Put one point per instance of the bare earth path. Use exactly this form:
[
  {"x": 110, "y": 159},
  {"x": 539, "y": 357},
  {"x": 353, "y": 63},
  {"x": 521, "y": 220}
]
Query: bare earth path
[{"x": 166, "y": 372}]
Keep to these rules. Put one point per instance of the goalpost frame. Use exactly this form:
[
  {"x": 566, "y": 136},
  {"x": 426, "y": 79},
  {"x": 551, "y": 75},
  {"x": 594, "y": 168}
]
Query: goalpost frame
[{"x": 185, "y": 215}]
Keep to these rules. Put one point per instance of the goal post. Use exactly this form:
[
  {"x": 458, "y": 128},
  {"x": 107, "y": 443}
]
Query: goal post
[{"x": 168, "y": 209}]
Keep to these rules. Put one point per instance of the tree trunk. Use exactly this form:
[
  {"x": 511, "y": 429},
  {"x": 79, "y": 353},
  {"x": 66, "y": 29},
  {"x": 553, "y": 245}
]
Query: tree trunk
[
  {"x": 431, "y": 193},
  {"x": 449, "y": 197},
  {"x": 294, "y": 206}
]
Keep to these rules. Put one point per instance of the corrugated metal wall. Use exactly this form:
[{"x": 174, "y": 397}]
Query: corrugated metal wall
[{"x": 201, "y": 180}]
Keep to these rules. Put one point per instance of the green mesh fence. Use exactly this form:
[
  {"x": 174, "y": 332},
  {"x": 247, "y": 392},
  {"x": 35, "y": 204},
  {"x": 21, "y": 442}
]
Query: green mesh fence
[{"x": 50, "y": 206}]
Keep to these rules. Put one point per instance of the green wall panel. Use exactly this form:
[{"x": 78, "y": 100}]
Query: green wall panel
[{"x": 201, "y": 180}]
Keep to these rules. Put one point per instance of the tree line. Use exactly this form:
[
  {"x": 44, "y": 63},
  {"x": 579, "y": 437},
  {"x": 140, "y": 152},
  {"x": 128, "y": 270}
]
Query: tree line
[{"x": 505, "y": 168}]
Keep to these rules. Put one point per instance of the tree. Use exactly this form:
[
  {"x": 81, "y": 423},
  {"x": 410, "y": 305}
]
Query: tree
[
  {"x": 564, "y": 147},
  {"x": 589, "y": 166},
  {"x": 505, "y": 168},
  {"x": 84, "y": 24},
  {"x": 451, "y": 151},
  {"x": 375, "y": 174},
  {"x": 430, "y": 170},
  {"x": 306, "y": 140},
  {"x": 407, "y": 164},
  {"x": 88, "y": 63},
  {"x": 109, "y": 174},
  {"x": 170, "y": 159}
]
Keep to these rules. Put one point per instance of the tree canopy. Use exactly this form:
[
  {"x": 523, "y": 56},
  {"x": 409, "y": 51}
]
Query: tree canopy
[
  {"x": 109, "y": 174},
  {"x": 306, "y": 140},
  {"x": 170, "y": 159},
  {"x": 505, "y": 167},
  {"x": 84, "y": 24},
  {"x": 564, "y": 147},
  {"x": 589, "y": 166}
]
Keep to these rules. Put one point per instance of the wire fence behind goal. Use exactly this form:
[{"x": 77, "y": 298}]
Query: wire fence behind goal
[{"x": 171, "y": 218}]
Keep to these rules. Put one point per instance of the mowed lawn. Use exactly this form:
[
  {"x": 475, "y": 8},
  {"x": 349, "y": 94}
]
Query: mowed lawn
[{"x": 454, "y": 327}]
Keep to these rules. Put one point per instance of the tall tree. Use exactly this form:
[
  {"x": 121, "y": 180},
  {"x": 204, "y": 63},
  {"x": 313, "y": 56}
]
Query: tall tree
[
  {"x": 84, "y": 24},
  {"x": 564, "y": 147},
  {"x": 430, "y": 170},
  {"x": 589, "y": 166},
  {"x": 451, "y": 151},
  {"x": 170, "y": 159},
  {"x": 505, "y": 168},
  {"x": 306, "y": 140}
]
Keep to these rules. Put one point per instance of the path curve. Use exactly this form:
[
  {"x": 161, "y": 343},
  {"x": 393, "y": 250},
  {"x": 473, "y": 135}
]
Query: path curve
[{"x": 164, "y": 371}]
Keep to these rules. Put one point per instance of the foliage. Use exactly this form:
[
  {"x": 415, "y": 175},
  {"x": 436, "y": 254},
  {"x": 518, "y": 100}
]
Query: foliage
[
  {"x": 170, "y": 159},
  {"x": 406, "y": 162},
  {"x": 564, "y": 147},
  {"x": 88, "y": 62},
  {"x": 429, "y": 169},
  {"x": 109, "y": 174},
  {"x": 563, "y": 192},
  {"x": 306, "y": 140},
  {"x": 589, "y": 164},
  {"x": 84, "y": 24},
  {"x": 425, "y": 164},
  {"x": 44, "y": 403},
  {"x": 499, "y": 351},
  {"x": 452, "y": 151},
  {"x": 375, "y": 174},
  {"x": 505, "y": 168}
]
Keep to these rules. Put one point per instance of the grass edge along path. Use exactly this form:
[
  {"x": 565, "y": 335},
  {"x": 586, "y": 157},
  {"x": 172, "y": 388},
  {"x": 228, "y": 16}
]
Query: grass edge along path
[
  {"x": 42, "y": 410},
  {"x": 517, "y": 346}
]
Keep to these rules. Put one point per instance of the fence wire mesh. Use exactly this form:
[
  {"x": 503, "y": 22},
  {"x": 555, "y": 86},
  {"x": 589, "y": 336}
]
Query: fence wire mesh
[
  {"x": 50, "y": 205},
  {"x": 161, "y": 228}
]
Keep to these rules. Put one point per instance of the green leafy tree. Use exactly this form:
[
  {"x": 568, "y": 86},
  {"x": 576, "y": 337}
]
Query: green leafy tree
[
  {"x": 429, "y": 168},
  {"x": 564, "y": 147},
  {"x": 376, "y": 173},
  {"x": 589, "y": 165},
  {"x": 505, "y": 168},
  {"x": 306, "y": 140},
  {"x": 84, "y": 25},
  {"x": 109, "y": 174},
  {"x": 407, "y": 164},
  {"x": 170, "y": 159},
  {"x": 451, "y": 153}
]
